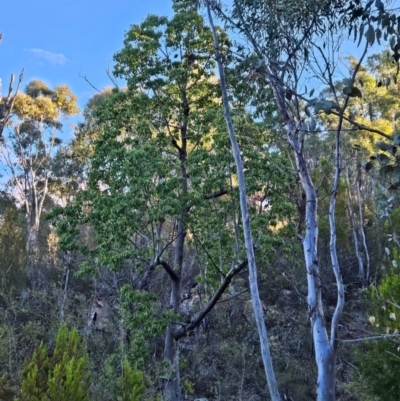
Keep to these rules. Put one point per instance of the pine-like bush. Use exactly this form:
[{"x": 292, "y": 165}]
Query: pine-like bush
[{"x": 62, "y": 376}]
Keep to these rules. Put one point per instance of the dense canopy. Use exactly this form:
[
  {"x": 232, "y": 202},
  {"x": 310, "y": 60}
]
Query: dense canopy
[{"x": 224, "y": 225}]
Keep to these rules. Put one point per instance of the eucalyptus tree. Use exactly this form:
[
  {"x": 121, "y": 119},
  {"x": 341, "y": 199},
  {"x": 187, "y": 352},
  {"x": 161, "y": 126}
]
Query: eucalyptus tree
[
  {"x": 27, "y": 149},
  {"x": 258, "y": 311},
  {"x": 368, "y": 159},
  {"x": 290, "y": 44}
]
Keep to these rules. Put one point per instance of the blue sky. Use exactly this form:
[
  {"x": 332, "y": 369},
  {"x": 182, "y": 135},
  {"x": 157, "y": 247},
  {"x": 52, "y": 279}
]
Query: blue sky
[{"x": 56, "y": 41}]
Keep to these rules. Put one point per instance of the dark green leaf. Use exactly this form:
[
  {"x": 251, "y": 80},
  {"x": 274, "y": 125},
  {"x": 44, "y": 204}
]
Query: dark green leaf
[
  {"x": 348, "y": 82},
  {"x": 378, "y": 36},
  {"x": 396, "y": 139},
  {"x": 396, "y": 172},
  {"x": 384, "y": 146},
  {"x": 368, "y": 165},
  {"x": 347, "y": 90},
  {"x": 383, "y": 159},
  {"x": 368, "y": 5},
  {"x": 355, "y": 92},
  {"x": 313, "y": 125},
  {"x": 370, "y": 35},
  {"x": 393, "y": 41},
  {"x": 386, "y": 170},
  {"x": 379, "y": 5},
  {"x": 361, "y": 34}
]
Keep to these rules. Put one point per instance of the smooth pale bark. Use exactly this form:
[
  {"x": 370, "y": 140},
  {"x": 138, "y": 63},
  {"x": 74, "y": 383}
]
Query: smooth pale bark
[
  {"x": 354, "y": 228},
  {"x": 27, "y": 184},
  {"x": 8, "y": 102},
  {"x": 363, "y": 236},
  {"x": 34, "y": 206},
  {"x": 331, "y": 379},
  {"x": 325, "y": 356},
  {"x": 262, "y": 330},
  {"x": 324, "y": 344}
]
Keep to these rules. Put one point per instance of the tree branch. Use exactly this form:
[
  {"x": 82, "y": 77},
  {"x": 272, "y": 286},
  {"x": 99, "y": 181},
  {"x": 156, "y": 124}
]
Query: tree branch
[
  {"x": 87, "y": 80},
  {"x": 362, "y": 126},
  {"x": 182, "y": 331},
  {"x": 168, "y": 268},
  {"x": 10, "y": 100},
  {"x": 219, "y": 193},
  {"x": 379, "y": 337}
]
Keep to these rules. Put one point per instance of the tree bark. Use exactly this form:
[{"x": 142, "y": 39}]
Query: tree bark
[
  {"x": 324, "y": 352},
  {"x": 258, "y": 311},
  {"x": 362, "y": 230},
  {"x": 350, "y": 213},
  {"x": 171, "y": 350}
]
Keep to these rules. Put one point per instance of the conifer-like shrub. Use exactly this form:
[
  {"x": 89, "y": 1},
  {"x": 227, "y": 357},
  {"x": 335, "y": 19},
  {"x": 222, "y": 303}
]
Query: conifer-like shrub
[{"x": 61, "y": 375}]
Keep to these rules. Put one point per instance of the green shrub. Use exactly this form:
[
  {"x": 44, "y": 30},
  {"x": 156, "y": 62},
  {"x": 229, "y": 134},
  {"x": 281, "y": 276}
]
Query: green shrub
[
  {"x": 380, "y": 365},
  {"x": 131, "y": 384},
  {"x": 62, "y": 376}
]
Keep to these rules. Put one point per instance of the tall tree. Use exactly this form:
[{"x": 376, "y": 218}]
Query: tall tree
[
  {"x": 286, "y": 42},
  {"x": 161, "y": 177},
  {"x": 27, "y": 150},
  {"x": 258, "y": 311}
]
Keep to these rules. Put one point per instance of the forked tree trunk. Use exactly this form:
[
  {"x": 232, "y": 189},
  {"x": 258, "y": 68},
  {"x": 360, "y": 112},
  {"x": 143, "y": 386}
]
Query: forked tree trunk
[
  {"x": 351, "y": 216},
  {"x": 362, "y": 230},
  {"x": 172, "y": 390},
  {"x": 324, "y": 347},
  {"x": 171, "y": 350}
]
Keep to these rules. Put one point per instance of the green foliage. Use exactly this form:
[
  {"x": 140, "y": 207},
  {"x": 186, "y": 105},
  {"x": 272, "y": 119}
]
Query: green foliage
[
  {"x": 144, "y": 321},
  {"x": 62, "y": 376},
  {"x": 131, "y": 383},
  {"x": 41, "y": 103},
  {"x": 380, "y": 365},
  {"x": 373, "y": 23},
  {"x": 167, "y": 120},
  {"x": 12, "y": 246}
]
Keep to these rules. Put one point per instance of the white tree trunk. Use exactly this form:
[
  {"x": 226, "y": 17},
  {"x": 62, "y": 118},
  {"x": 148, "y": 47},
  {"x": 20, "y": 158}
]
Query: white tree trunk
[
  {"x": 362, "y": 230},
  {"x": 262, "y": 330},
  {"x": 324, "y": 347},
  {"x": 350, "y": 213}
]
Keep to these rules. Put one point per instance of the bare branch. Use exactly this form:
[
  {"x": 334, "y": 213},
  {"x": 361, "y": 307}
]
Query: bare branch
[
  {"x": 195, "y": 322},
  {"x": 10, "y": 101},
  {"x": 379, "y": 337},
  {"x": 87, "y": 80},
  {"x": 112, "y": 79},
  {"x": 168, "y": 268},
  {"x": 362, "y": 127},
  {"x": 219, "y": 193}
]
